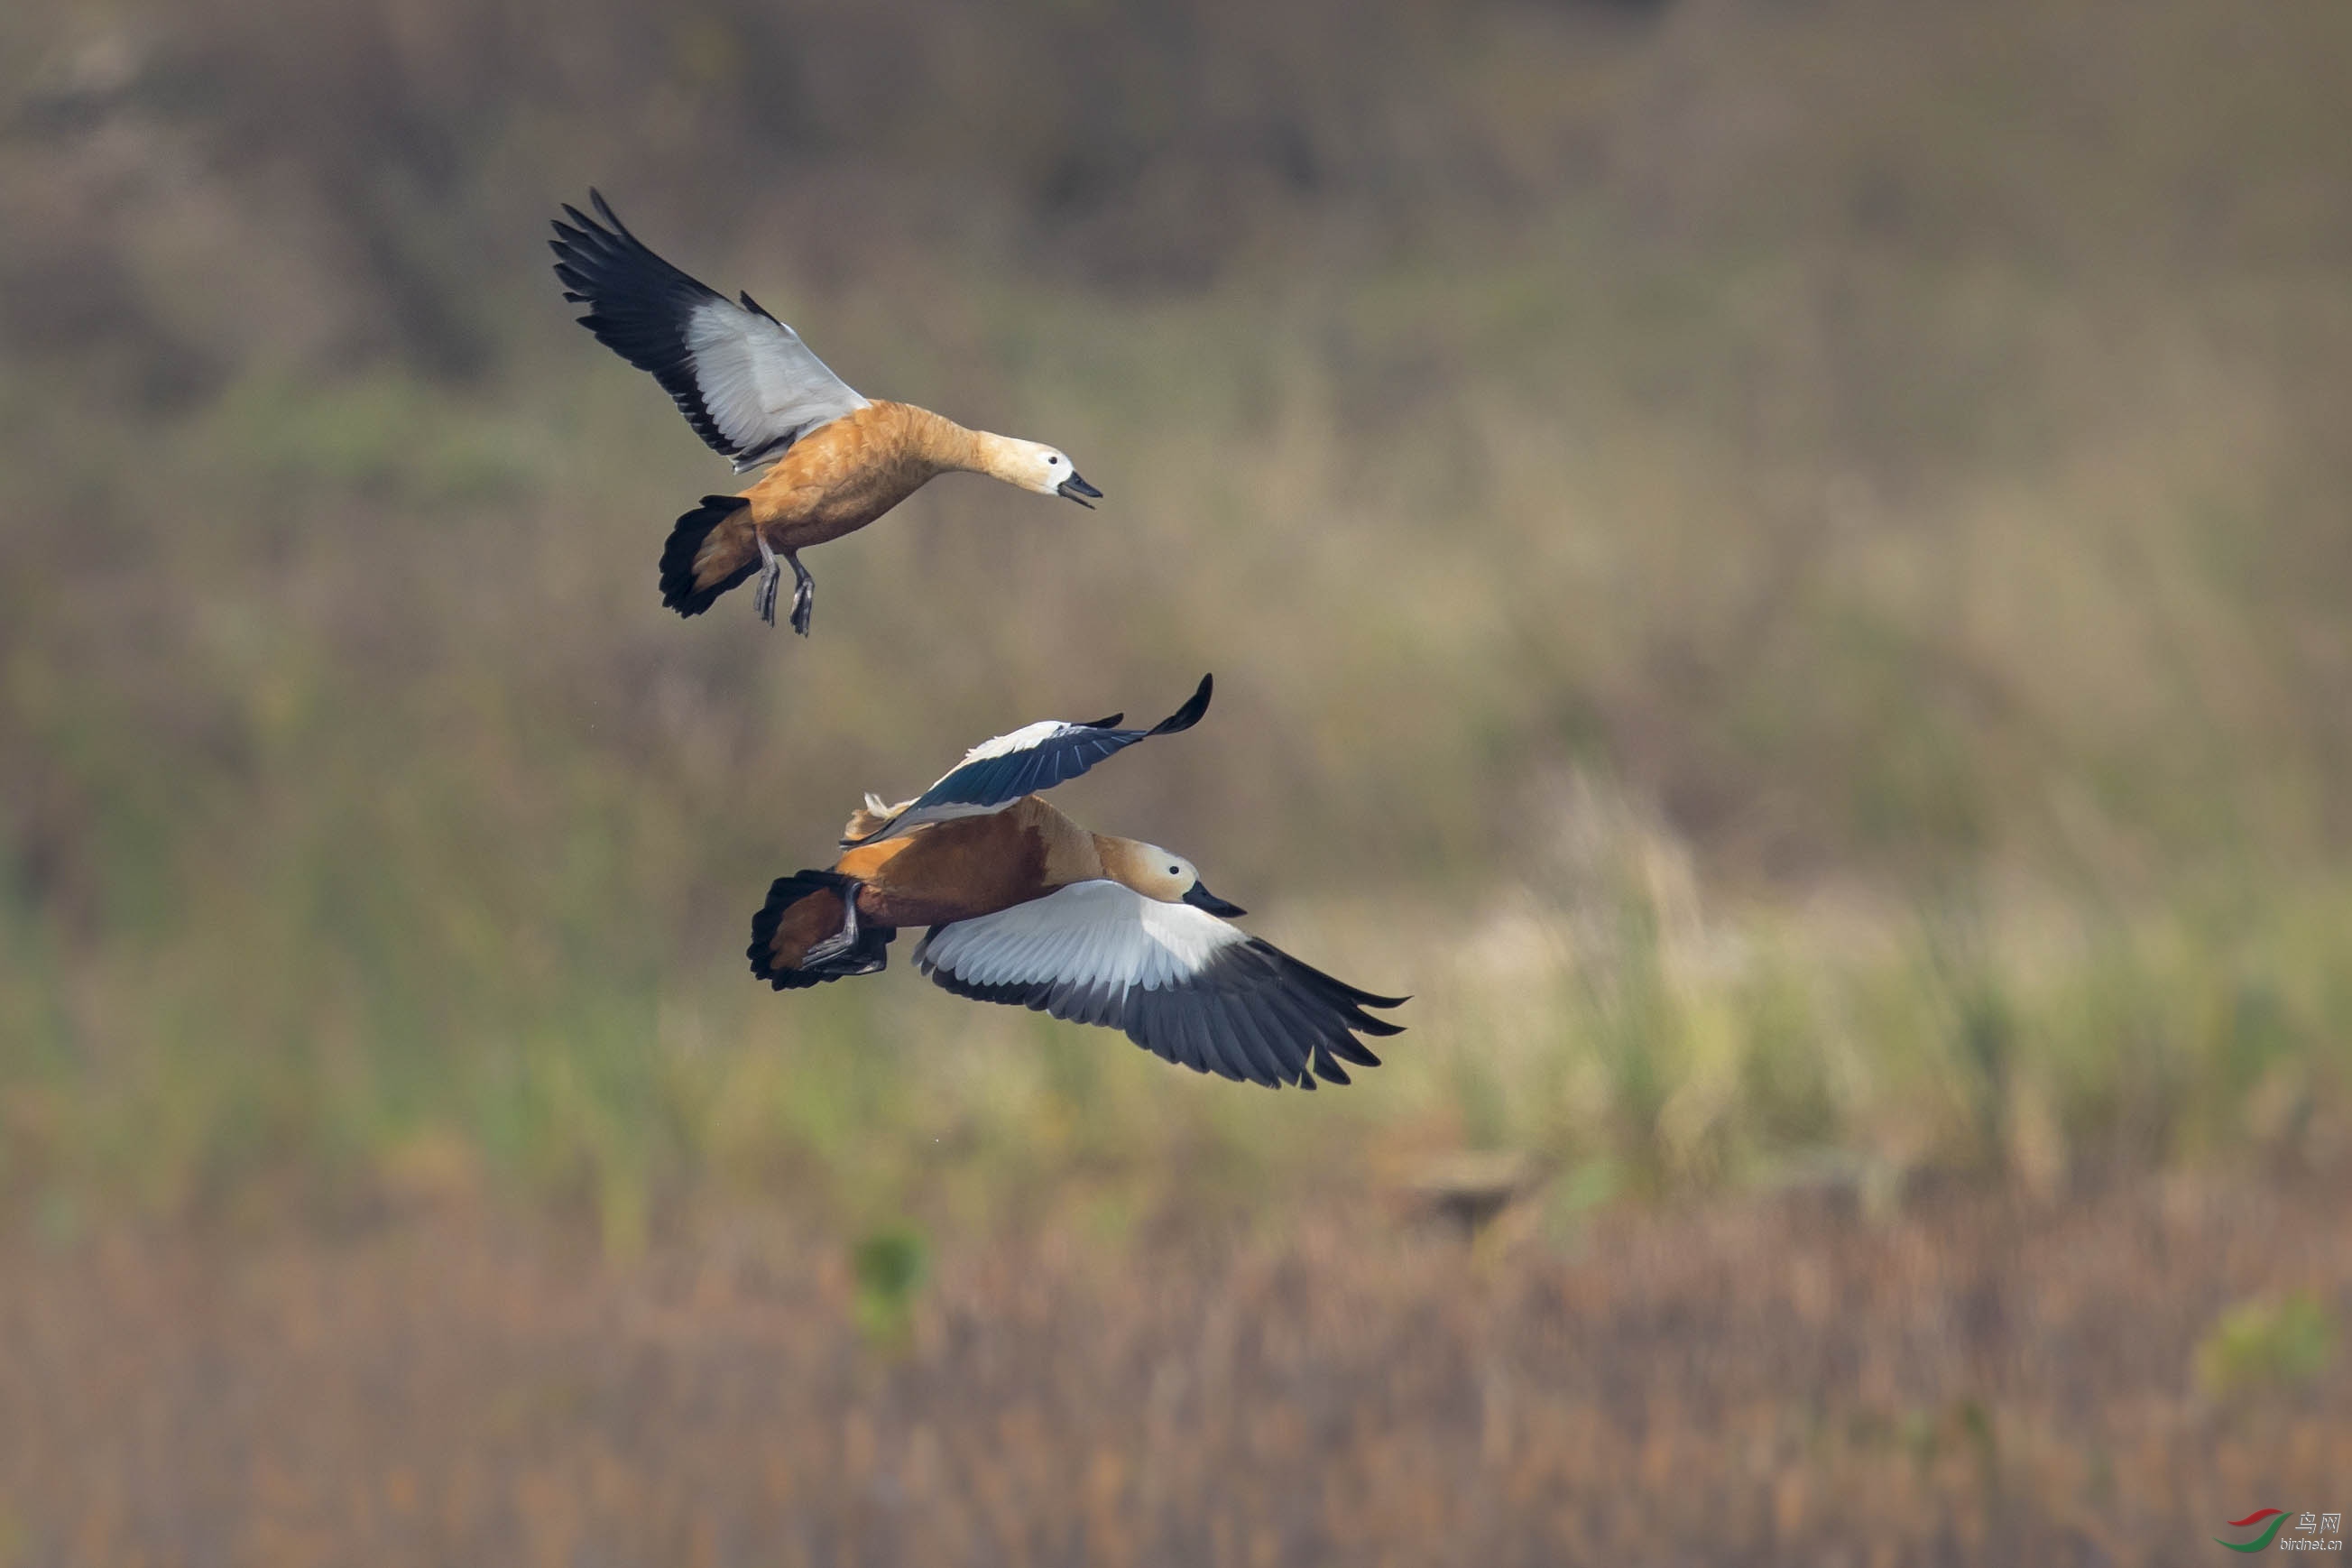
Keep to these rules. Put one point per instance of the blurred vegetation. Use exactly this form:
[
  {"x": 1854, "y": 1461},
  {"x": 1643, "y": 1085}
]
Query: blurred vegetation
[
  {"x": 890, "y": 1265},
  {"x": 2284, "y": 1342},
  {"x": 1782, "y": 567}
]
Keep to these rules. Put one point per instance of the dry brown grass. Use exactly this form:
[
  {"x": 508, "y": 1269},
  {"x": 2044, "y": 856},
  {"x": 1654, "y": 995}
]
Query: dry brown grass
[
  {"x": 1975, "y": 1380},
  {"x": 1781, "y": 566}
]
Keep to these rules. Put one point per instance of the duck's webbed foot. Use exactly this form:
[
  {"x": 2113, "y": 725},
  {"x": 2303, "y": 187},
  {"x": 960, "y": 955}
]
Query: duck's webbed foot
[
  {"x": 823, "y": 952},
  {"x": 803, "y": 595},
  {"x": 764, "y": 594}
]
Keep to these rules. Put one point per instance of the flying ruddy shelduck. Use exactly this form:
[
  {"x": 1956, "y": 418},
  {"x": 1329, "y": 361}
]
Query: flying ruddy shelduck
[
  {"x": 1026, "y": 906},
  {"x": 751, "y": 388}
]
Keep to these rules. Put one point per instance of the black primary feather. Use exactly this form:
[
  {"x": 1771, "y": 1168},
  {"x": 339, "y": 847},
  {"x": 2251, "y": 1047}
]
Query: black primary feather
[
  {"x": 1253, "y": 1013},
  {"x": 639, "y": 306}
]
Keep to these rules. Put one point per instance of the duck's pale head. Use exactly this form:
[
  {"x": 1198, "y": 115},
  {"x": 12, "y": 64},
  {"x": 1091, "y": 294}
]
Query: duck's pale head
[
  {"x": 1034, "y": 466},
  {"x": 1164, "y": 875}
]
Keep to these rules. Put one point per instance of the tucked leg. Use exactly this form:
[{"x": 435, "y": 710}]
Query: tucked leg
[{"x": 844, "y": 938}]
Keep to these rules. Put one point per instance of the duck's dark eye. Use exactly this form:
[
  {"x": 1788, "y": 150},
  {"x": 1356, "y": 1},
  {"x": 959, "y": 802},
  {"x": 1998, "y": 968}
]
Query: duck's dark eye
[{"x": 1175, "y": 871}]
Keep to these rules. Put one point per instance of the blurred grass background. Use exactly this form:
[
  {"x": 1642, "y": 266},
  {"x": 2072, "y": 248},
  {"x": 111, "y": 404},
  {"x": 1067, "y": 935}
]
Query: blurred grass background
[{"x": 1783, "y": 567}]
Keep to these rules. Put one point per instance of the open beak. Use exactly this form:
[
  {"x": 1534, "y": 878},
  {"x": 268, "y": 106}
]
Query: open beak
[
  {"x": 1077, "y": 490},
  {"x": 1200, "y": 898}
]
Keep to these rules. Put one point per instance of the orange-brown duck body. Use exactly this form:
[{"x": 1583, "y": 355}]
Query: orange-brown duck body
[
  {"x": 755, "y": 392},
  {"x": 833, "y": 482},
  {"x": 950, "y": 871},
  {"x": 1027, "y": 908}
]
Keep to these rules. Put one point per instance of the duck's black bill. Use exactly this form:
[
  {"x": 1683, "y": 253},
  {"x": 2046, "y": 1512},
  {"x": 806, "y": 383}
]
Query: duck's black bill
[
  {"x": 1077, "y": 490},
  {"x": 1200, "y": 898}
]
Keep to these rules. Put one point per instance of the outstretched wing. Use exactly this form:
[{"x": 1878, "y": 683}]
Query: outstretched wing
[
  {"x": 743, "y": 379},
  {"x": 1181, "y": 983},
  {"x": 995, "y": 773}
]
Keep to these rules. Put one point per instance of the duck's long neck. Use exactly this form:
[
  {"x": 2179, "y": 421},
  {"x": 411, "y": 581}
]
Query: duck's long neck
[
  {"x": 1119, "y": 857},
  {"x": 947, "y": 446},
  {"x": 936, "y": 441},
  {"x": 998, "y": 457},
  {"x": 1072, "y": 853},
  {"x": 944, "y": 447}
]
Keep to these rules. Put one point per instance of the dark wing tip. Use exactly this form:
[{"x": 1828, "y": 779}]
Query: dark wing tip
[
  {"x": 1254, "y": 1014},
  {"x": 1319, "y": 1002},
  {"x": 1184, "y": 718},
  {"x": 1113, "y": 722},
  {"x": 1328, "y": 985}
]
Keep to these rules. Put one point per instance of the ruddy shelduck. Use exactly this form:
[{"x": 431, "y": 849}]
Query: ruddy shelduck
[
  {"x": 754, "y": 390},
  {"x": 1025, "y": 906}
]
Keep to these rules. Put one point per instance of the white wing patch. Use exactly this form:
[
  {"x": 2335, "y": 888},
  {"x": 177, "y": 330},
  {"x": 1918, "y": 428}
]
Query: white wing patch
[
  {"x": 763, "y": 387},
  {"x": 1027, "y": 738},
  {"x": 1088, "y": 933}
]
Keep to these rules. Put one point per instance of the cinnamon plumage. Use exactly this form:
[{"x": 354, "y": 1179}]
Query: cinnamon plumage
[
  {"x": 755, "y": 392},
  {"x": 1025, "y": 906}
]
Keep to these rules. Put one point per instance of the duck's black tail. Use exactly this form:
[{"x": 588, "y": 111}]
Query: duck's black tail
[
  {"x": 803, "y": 910},
  {"x": 711, "y": 550}
]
